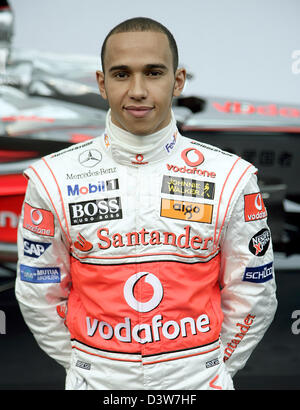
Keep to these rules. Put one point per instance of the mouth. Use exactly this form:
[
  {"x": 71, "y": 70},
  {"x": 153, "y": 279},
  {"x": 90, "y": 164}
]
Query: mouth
[{"x": 138, "y": 111}]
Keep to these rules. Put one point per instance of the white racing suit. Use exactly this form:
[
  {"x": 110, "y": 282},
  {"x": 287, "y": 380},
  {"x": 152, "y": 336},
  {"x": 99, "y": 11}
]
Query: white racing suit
[{"x": 145, "y": 270}]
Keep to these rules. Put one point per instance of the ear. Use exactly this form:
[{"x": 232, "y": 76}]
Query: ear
[
  {"x": 101, "y": 85},
  {"x": 180, "y": 77}
]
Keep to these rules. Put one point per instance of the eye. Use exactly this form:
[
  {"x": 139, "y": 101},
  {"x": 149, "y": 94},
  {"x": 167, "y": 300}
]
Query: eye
[
  {"x": 154, "y": 73},
  {"x": 121, "y": 75}
]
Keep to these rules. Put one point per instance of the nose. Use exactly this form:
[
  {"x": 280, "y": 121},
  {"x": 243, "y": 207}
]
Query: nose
[{"x": 137, "y": 88}]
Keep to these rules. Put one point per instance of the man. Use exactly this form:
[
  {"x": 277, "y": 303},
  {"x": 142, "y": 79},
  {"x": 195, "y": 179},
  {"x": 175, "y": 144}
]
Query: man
[{"x": 145, "y": 257}]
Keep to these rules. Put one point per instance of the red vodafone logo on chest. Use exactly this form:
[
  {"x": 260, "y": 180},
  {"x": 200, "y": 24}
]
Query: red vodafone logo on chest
[{"x": 192, "y": 157}]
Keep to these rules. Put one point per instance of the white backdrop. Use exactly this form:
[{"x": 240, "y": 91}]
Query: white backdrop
[{"x": 241, "y": 49}]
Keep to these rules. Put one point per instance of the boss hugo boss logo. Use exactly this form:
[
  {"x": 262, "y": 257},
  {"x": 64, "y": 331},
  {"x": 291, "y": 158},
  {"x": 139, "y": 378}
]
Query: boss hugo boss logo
[
  {"x": 154, "y": 331},
  {"x": 187, "y": 211},
  {"x": 259, "y": 243},
  {"x": 188, "y": 187},
  {"x": 90, "y": 158},
  {"x": 95, "y": 211}
]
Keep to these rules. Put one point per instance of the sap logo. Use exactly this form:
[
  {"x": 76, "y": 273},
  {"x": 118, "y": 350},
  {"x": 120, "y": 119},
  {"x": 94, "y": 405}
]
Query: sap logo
[{"x": 35, "y": 249}]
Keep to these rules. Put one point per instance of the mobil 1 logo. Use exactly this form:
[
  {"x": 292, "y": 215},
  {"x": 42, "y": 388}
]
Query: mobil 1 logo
[{"x": 97, "y": 210}]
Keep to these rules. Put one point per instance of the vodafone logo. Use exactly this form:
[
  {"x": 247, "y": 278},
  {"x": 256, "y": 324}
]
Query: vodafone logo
[
  {"x": 139, "y": 160},
  {"x": 36, "y": 216},
  {"x": 143, "y": 306},
  {"x": 254, "y": 209},
  {"x": 39, "y": 221},
  {"x": 258, "y": 202},
  {"x": 156, "y": 328},
  {"x": 192, "y": 157}
]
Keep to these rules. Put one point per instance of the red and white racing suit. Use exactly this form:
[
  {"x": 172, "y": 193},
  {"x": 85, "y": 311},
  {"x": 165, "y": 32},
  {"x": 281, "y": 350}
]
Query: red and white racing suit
[{"x": 145, "y": 267}]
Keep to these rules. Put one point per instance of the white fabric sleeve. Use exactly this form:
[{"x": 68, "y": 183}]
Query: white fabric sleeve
[
  {"x": 248, "y": 294},
  {"x": 43, "y": 280}
]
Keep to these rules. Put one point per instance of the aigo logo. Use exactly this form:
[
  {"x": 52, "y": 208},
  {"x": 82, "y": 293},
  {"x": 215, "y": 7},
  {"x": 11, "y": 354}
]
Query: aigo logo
[
  {"x": 186, "y": 211},
  {"x": 143, "y": 307},
  {"x": 192, "y": 157}
]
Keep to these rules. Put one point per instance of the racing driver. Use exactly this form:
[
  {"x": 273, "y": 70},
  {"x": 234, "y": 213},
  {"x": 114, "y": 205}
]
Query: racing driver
[{"x": 145, "y": 259}]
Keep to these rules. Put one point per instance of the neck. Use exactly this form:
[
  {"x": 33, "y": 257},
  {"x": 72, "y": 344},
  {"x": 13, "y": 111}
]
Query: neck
[
  {"x": 138, "y": 142},
  {"x": 130, "y": 149}
]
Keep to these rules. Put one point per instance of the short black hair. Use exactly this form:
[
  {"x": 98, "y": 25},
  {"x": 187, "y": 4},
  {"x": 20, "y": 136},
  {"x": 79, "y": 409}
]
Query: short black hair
[{"x": 142, "y": 24}]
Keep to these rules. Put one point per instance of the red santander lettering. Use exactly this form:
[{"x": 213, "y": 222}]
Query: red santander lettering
[{"x": 145, "y": 238}]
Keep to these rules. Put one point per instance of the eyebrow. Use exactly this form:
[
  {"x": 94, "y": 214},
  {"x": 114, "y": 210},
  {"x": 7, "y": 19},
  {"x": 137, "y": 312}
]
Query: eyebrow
[{"x": 147, "y": 66}]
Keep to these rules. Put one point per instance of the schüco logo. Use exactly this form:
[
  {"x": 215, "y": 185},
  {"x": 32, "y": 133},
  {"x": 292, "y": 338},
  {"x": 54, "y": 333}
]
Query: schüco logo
[{"x": 147, "y": 332}]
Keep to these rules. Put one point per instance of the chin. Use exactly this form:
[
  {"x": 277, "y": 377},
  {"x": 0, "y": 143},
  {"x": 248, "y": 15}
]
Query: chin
[{"x": 139, "y": 131}]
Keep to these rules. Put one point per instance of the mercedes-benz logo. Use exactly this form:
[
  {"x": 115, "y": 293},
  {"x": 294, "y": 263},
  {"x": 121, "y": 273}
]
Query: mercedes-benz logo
[{"x": 90, "y": 158}]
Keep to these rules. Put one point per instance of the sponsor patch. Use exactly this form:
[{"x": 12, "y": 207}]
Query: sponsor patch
[
  {"x": 139, "y": 160},
  {"x": 83, "y": 365},
  {"x": 259, "y": 243},
  {"x": 212, "y": 363},
  {"x": 100, "y": 186},
  {"x": 82, "y": 244},
  {"x": 38, "y": 220},
  {"x": 259, "y": 274},
  {"x": 192, "y": 157},
  {"x": 104, "y": 209},
  {"x": 186, "y": 211},
  {"x": 39, "y": 275},
  {"x": 35, "y": 249},
  {"x": 254, "y": 208},
  {"x": 91, "y": 174},
  {"x": 188, "y": 187},
  {"x": 171, "y": 144},
  {"x": 90, "y": 158}
]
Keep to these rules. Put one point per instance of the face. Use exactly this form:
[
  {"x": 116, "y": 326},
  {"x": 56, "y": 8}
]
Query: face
[{"x": 139, "y": 81}]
